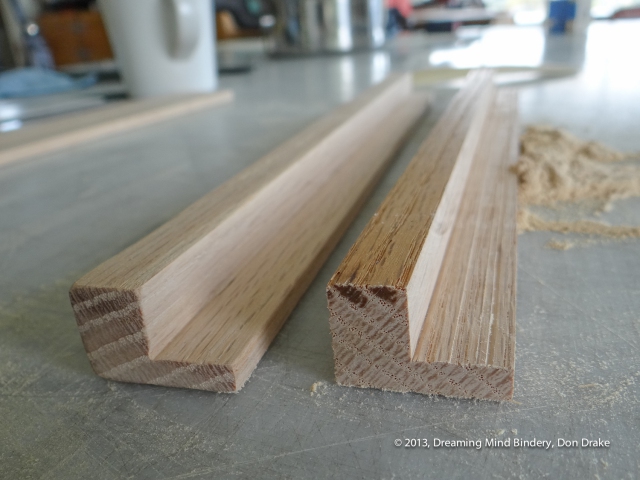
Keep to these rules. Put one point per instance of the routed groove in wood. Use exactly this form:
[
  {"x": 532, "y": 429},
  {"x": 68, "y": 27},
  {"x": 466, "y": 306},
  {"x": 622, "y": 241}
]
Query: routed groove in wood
[
  {"x": 425, "y": 299},
  {"x": 197, "y": 302},
  {"x": 75, "y": 129}
]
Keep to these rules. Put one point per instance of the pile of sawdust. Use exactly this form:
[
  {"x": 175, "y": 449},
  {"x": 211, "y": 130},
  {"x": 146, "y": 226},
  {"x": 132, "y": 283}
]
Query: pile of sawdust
[{"x": 556, "y": 167}]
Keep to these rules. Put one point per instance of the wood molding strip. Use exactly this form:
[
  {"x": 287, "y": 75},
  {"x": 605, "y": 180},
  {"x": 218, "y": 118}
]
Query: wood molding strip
[
  {"x": 197, "y": 302},
  {"x": 75, "y": 129},
  {"x": 424, "y": 301}
]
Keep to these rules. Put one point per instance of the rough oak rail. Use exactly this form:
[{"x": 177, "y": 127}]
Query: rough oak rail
[
  {"x": 425, "y": 299},
  {"x": 197, "y": 302}
]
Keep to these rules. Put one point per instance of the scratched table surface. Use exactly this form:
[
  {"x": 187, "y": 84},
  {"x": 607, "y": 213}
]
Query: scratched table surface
[{"x": 578, "y": 317}]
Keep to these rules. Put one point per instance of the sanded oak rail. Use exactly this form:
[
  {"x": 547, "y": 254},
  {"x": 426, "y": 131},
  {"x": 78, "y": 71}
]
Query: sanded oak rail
[
  {"x": 425, "y": 299},
  {"x": 70, "y": 130},
  {"x": 197, "y": 302}
]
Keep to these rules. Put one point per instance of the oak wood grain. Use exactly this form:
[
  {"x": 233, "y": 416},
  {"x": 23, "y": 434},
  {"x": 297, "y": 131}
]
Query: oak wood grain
[
  {"x": 463, "y": 342},
  {"x": 197, "y": 302}
]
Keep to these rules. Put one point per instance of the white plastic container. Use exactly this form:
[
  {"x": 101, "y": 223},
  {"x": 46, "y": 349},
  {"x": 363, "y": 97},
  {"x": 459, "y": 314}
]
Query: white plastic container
[{"x": 163, "y": 46}]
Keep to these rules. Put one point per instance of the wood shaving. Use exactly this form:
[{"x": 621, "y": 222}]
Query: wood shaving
[
  {"x": 317, "y": 387},
  {"x": 556, "y": 244},
  {"x": 554, "y": 167}
]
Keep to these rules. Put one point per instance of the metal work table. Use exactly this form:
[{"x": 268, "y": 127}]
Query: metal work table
[{"x": 577, "y": 360}]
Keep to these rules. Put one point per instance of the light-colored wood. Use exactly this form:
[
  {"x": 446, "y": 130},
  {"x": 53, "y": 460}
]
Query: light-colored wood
[
  {"x": 196, "y": 303},
  {"x": 74, "y": 129},
  {"x": 506, "y": 75},
  {"x": 463, "y": 343}
]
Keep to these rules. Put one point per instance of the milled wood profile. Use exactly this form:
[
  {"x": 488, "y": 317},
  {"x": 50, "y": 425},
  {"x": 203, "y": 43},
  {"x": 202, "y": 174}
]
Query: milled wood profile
[
  {"x": 425, "y": 299},
  {"x": 74, "y": 129},
  {"x": 197, "y": 302}
]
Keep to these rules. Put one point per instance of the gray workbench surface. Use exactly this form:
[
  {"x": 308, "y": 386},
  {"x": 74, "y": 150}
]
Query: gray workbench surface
[{"x": 578, "y": 336}]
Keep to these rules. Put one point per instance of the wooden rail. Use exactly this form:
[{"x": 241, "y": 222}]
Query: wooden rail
[
  {"x": 197, "y": 302},
  {"x": 425, "y": 299}
]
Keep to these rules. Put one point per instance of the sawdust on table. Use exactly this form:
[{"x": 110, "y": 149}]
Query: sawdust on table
[
  {"x": 529, "y": 221},
  {"x": 555, "y": 167},
  {"x": 318, "y": 388}
]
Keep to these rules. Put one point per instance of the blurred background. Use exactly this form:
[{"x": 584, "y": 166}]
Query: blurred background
[{"x": 56, "y": 55}]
